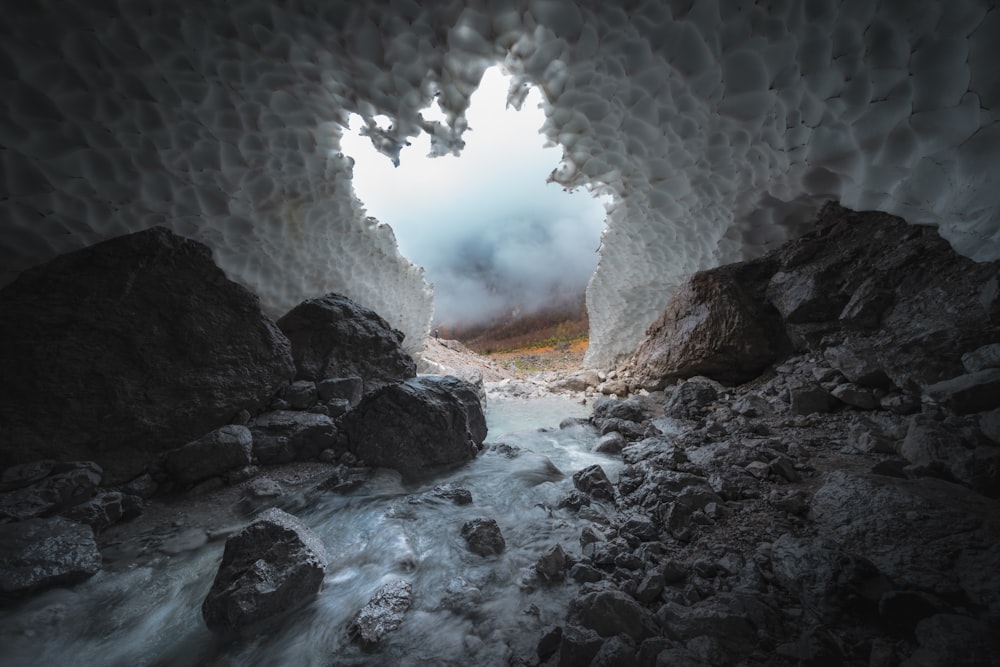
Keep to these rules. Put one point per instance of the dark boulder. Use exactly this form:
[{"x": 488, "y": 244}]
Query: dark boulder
[
  {"x": 610, "y": 613},
  {"x": 65, "y": 485},
  {"x": 416, "y": 427},
  {"x": 710, "y": 327},
  {"x": 350, "y": 389},
  {"x": 334, "y": 337},
  {"x": 283, "y": 436},
  {"x": 129, "y": 348},
  {"x": 483, "y": 537},
  {"x": 41, "y": 553},
  {"x": 105, "y": 509},
  {"x": 382, "y": 614},
  {"x": 593, "y": 481},
  {"x": 271, "y": 567},
  {"x": 213, "y": 454}
]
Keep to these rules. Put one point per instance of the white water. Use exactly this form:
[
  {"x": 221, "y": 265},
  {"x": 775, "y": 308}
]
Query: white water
[{"x": 467, "y": 610}]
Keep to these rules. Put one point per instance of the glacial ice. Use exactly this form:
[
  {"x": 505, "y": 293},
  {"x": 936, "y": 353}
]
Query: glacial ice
[{"x": 718, "y": 127}]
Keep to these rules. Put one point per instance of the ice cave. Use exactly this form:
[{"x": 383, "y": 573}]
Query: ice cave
[
  {"x": 717, "y": 127},
  {"x": 226, "y": 437}
]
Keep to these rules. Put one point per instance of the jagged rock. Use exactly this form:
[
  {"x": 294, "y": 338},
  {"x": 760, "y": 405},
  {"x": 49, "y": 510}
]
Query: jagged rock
[
  {"x": 578, "y": 646},
  {"x": 40, "y": 553},
  {"x": 552, "y": 564},
  {"x": 335, "y": 337},
  {"x": 224, "y": 449},
  {"x": 633, "y": 409},
  {"x": 855, "y": 396},
  {"x": 735, "y": 621},
  {"x": 987, "y": 356},
  {"x": 857, "y": 361},
  {"x": 965, "y": 394},
  {"x": 382, "y": 614},
  {"x": 690, "y": 400},
  {"x": 610, "y": 613},
  {"x": 274, "y": 565},
  {"x": 616, "y": 652},
  {"x": 344, "y": 479},
  {"x": 301, "y": 394},
  {"x": 483, "y": 537},
  {"x": 710, "y": 327},
  {"x": 105, "y": 509},
  {"x": 66, "y": 485},
  {"x": 416, "y": 427},
  {"x": 350, "y": 389},
  {"x": 810, "y": 398},
  {"x": 593, "y": 481},
  {"x": 610, "y": 443},
  {"x": 283, "y": 436},
  {"x": 139, "y": 344}
]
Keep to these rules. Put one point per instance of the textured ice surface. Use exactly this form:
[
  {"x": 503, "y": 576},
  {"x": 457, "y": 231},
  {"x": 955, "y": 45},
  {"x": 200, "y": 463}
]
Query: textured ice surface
[{"x": 718, "y": 126}]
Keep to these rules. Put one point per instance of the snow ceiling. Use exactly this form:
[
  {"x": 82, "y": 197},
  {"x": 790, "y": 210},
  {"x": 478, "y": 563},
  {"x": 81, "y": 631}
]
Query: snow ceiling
[{"x": 718, "y": 126}]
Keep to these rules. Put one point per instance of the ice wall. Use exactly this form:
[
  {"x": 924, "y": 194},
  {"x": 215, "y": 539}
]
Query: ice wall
[{"x": 717, "y": 125}]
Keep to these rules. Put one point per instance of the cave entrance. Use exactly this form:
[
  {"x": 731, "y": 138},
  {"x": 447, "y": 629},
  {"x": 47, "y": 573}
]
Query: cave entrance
[{"x": 508, "y": 253}]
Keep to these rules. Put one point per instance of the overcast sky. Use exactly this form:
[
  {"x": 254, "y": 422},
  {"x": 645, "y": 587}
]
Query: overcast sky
[{"x": 491, "y": 234}]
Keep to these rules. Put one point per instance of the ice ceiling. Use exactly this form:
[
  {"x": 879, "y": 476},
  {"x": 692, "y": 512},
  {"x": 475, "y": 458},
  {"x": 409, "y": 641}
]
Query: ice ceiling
[{"x": 718, "y": 126}]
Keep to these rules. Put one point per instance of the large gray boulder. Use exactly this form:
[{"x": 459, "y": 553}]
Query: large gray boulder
[
  {"x": 271, "y": 567},
  {"x": 710, "y": 327},
  {"x": 41, "y": 553},
  {"x": 416, "y": 427},
  {"x": 334, "y": 337},
  {"x": 127, "y": 349}
]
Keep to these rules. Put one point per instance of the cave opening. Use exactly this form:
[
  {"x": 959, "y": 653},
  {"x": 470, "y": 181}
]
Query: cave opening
[{"x": 503, "y": 245}]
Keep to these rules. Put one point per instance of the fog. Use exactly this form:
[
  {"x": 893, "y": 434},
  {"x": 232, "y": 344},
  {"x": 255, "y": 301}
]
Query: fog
[{"x": 492, "y": 235}]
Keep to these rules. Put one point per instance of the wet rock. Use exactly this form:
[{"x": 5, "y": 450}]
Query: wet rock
[
  {"x": 224, "y": 449},
  {"x": 262, "y": 487},
  {"x": 710, "y": 327},
  {"x": 593, "y": 481},
  {"x": 382, "y": 614},
  {"x": 650, "y": 587},
  {"x": 105, "y": 509},
  {"x": 483, "y": 537},
  {"x": 416, "y": 427},
  {"x": 549, "y": 643},
  {"x": 552, "y": 565},
  {"x": 345, "y": 479},
  {"x": 583, "y": 573},
  {"x": 735, "y": 621},
  {"x": 965, "y": 394},
  {"x": 610, "y": 443},
  {"x": 41, "y": 553},
  {"x": 301, "y": 394},
  {"x": 283, "y": 436},
  {"x": 335, "y": 337},
  {"x": 350, "y": 389},
  {"x": 271, "y": 567},
  {"x": 143, "y": 486},
  {"x": 452, "y": 494},
  {"x": 610, "y": 613},
  {"x": 66, "y": 485},
  {"x": 140, "y": 343},
  {"x": 690, "y": 400}
]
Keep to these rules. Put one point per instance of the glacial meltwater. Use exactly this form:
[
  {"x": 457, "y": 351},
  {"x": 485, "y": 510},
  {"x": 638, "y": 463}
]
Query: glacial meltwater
[{"x": 144, "y": 608}]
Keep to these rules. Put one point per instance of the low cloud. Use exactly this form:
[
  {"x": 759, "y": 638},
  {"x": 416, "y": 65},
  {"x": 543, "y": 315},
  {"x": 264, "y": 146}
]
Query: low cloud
[{"x": 491, "y": 234}]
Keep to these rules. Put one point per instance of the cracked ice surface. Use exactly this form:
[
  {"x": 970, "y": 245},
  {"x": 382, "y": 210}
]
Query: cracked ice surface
[{"x": 717, "y": 126}]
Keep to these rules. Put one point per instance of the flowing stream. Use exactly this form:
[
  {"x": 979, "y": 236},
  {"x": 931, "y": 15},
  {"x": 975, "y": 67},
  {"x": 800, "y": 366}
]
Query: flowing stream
[{"x": 467, "y": 610}]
